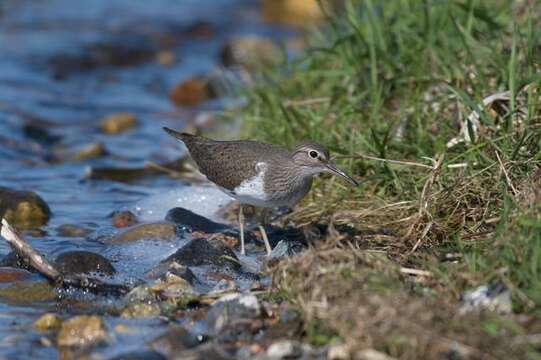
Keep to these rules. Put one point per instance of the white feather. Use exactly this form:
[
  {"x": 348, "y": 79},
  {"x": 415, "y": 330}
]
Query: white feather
[{"x": 251, "y": 191}]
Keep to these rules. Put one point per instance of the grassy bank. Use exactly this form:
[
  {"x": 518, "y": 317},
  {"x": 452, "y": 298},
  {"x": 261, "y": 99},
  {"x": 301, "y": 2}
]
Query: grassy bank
[{"x": 458, "y": 205}]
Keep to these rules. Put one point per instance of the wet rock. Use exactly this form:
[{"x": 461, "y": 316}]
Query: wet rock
[
  {"x": 23, "y": 209},
  {"x": 10, "y": 274},
  {"x": 14, "y": 260},
  {"x": 90, "y": 151},
  {"x": 201, "y": 251},
  {"x": 124, "y": 50},
  {"x": 141, "y": 309},
  {"x": 494, "y": 297},
  {"x": 117, "y": 123},
  {"x": 83, "y": 262},
  {"x": 69, "y": 230},
  {"x": 175, "y": 339},
  {"x": 140, "y": 355},
  {"x": 27, "y": 292},
  {"x": 121, "y": 219},
  {"x": 250, "y": 53},
  {"x": 191, "y": 221},
  {"x": 82, "y": 331},
  {"x": 292, "y": 12},
  {"x": 172, "y": 268},
  {"x": 230, "y": 309},
  {"x": 191, "y": 92},
  {"x": 40, "y": 134},
  {"x": 48, "y": 322},
  {"x": 158, "y": 231}
]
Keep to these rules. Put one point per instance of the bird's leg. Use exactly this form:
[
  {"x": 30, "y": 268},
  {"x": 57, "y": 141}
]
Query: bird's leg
[
  {"x": 263, "y": 232},
  {"x": 241, "y": 228}
]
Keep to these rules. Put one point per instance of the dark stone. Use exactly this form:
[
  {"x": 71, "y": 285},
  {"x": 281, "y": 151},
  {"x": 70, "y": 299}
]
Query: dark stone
[
  {"x": 118, "y": 51},
  {"x": 83, "y": 262},
  {"x": 175, "y": 339},
  {"x": 40, "y": 134},
  {"x": 13, "y": 259},
  {"x": 201, "y": 251},
  {"x": 191, "y": 221},
  {"x": 140, "y": 355},
  {"x": 23, "y": 209}
]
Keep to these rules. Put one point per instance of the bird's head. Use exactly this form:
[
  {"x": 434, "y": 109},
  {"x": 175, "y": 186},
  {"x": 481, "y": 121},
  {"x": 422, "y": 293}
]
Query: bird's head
[{"x": 315, "y": 159}]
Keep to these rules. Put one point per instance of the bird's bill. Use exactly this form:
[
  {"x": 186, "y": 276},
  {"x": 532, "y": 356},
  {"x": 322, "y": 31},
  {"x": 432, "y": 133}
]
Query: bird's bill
[
  {"x": 334, "y": 170},
  {"x": 173, "y": 133}
]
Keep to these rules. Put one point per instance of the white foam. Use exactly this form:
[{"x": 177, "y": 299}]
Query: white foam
[{"x": 203, "y": 200}]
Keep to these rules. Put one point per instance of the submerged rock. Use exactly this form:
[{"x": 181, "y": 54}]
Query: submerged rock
[
  {"x": 82, "y": 331},
  {"x": 90, "y": 151},
  {"x": 10, "y": 274},
  {"x": 13, "y": 259},
  {"x": 175, "y": 339},
  {"x": 27, "y": 292},
  {"x": 117, "y": 123},
  {"x": 202, "y": 251},
  {"x": 83, "y": 262},
  {"x": 123, "y": 219},
  {"x": 23, "y": 209},
  {"x": 191, "y": 221},
  {"x": 69, "y": 230},
  {"x": 158, "y": 231},
  {"x": 48, "y": 322}
]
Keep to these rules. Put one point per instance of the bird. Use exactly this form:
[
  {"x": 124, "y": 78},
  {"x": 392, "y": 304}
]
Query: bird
[{"x": 259, "y": 174}]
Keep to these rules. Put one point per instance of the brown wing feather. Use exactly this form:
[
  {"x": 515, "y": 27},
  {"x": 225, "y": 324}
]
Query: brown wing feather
[{"x": 240, "y": 156}]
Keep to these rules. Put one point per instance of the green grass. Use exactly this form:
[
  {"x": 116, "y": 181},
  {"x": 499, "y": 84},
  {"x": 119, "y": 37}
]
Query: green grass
[{"x": 396, "y": 80}]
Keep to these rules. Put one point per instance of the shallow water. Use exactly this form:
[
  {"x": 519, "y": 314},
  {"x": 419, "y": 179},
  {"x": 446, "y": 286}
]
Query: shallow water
[{"x": 46, "y": 80}]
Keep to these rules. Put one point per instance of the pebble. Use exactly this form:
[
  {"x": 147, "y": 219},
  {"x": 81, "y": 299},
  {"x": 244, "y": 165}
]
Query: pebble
[
  {"x": 48, "y": 322},
  {"x": 10, "y": 274},
  {"x": 174, "y": 339},
  {"x": 122, "y": 219},
  {"x": 191, "y": 221},
  {"x": 190, "y": 92},
  {"x": 117, "y": 123},
  {"x": 90, "y": 151}
]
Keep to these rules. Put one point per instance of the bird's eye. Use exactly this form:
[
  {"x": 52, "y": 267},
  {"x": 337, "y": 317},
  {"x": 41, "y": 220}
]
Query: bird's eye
[{"x": 313, "y": 154}]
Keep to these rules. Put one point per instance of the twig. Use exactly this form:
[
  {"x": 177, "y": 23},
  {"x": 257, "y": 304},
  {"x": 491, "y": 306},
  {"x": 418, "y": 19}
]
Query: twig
[
  {"x": 415, "y": 272},
  {"x": 45, "y": 268},
  {"x": 22, "y": 247},
  {"x": 507, "y": 178},
  {"x": 399, "y": 162}
]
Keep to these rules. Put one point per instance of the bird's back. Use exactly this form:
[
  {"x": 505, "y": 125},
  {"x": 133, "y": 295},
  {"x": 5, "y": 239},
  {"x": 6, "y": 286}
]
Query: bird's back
[{"x": 229, "y": 163}]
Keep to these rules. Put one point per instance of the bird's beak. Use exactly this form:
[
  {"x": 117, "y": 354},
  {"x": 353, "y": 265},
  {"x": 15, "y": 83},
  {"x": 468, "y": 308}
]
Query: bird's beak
[{"x": 334, "y": 170}]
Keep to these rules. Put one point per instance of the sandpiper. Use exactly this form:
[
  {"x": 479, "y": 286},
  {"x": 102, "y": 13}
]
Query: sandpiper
[{"x": 259, "y": 174}]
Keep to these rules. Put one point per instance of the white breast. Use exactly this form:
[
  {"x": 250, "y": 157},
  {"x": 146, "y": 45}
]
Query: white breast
[{"x": 251, "y": 190}]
